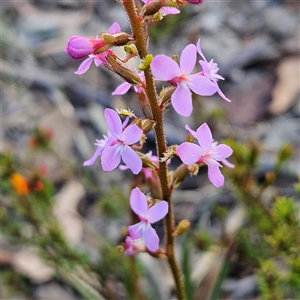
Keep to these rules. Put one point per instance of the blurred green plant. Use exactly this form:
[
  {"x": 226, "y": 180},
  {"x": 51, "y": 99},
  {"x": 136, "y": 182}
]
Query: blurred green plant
[
  {"x": 27, "y": 219},
  {"x": 270, "y": 242}
]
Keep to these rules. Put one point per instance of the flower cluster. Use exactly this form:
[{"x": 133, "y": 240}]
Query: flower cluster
[{"x": 117, "y": 146}]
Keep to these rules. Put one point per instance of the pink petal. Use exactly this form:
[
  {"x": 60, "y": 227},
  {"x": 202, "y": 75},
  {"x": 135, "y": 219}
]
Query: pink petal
[
  {"x": 84, "y": 66},
  {"x": 129, "y": 245},
  {"x": 151, "y": 238},
  {"x": 191, "y": 131},
  {"x": 200, "y": 51},
  {"x": 114, "y": 28},
  {"x": 223, "y": 151},
  {"x": 204, "y": 137},
  {"x": 228, "y": 164},
  {"x": 169, "y": 11},
  {"x": 221, "y": 94},
  {"x": 132, "y": 160},
  {"x": 113, "y": 122},
  {"x": 215, "y": 176},
  {"x": 189, "y": 153},
  {"x": 94, "y": 157},
  {"x": 157, "y": 211},
  {"x": 205, "y": 68},
  {"x": 201, "y": 85},
  {"x": 97, "y": 62},
  {"x": 136, "y": 230},
  {"x": 138, "y": 202},
  {"x": 182, "y": 100},
  {"x": 122, "y": 89},
  {"x": 164, "y": 68},
  {"x": 110, "y": 158},
  {"x": 132, "y": 134},
  {"x": 188, "y": 59}
]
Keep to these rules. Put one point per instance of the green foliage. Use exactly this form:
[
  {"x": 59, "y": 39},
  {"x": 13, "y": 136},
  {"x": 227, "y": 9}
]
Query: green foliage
[
  {"x": 269, "y": 281},
  {"x": 113, "y": 203},
  {"x": 185, "y": 266},
  {"x": 168, "y": 26},
  {"x": 272, "y": 234},
  {"x": 202, "y": 240},
  {"x": 18, "y": 285}
]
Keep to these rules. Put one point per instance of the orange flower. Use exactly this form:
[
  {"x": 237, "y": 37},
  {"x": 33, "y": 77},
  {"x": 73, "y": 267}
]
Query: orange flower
[{"x": 19, "y": 183}]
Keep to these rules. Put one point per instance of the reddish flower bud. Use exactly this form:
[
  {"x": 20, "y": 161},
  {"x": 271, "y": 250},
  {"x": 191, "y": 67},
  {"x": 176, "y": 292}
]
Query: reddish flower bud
[{"x": 79, "y": 47}]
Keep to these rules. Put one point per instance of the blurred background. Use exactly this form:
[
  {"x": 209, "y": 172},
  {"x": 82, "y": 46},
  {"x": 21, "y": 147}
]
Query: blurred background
[{"x": 61, "y": 223}]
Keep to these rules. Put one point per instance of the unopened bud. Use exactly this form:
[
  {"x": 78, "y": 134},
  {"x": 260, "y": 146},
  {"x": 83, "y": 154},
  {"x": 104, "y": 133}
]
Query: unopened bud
[
  {"x": 79, "y": 46},
  {"x": 147, "y": 125},
  {"x": 179, "y": 175},
  {"x": 145, "y": 63},
  {"x": 166, "y": 94},
  {"x": 182, "y": 227},
  {"x": 193, "y": 169},
  {"x": 118, "y": 39},
  {"x": 131, "y": 49},
  {"x": 153, "y": 7},
  {"x": 147, "y": 161},
  {"x": 190, "y": 138},
  {"x": 124, "y": 71},
  {"x": 120, "y": 248}
]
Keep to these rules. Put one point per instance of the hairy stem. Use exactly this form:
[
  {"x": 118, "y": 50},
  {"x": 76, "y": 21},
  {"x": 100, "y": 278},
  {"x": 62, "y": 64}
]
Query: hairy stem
[{"x": 140, "y": 37}]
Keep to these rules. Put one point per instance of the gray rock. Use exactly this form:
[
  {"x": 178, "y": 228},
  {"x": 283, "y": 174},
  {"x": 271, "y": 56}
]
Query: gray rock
[
  {"x": 245, "y": 288},
  {"x": 281, "y": 22}
]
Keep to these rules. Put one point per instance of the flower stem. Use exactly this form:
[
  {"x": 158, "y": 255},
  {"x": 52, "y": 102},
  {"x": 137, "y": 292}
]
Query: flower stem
[{"x": 140, "y": 37}]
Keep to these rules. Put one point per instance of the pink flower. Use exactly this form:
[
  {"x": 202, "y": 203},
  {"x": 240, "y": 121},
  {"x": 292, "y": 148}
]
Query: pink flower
[
  {"x": 209, "y": 152},
  {"x": 166, "y": 69},
  {"x": 92, "y": 45},
  {"x": 79, "y": 47},
  {"x": 210, "y": 71},
  {"x": 101, "y": 144},
  {"x": 148, "y": 216},
  {"x": 119, "y": 142},
  {"x": 124, "y": 87},
  {"x": 98, "y": 59},
  {"x": 132, "y": 246},
  {"x": 117, "y": 145},
  {"x": 165, "y": 10}
]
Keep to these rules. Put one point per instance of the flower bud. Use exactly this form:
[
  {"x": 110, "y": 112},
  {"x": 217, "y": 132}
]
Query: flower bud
[
  {"x": 182, "y": 227},
  {"x": 124, "y": 71},
  {"x": 153, "y": 7},
  {"x": 118, "y": 39},
  {"x": 148, "y": 125},
  {"x": 79, "y": 47},
  {"x": 179, "y": 175},
  {"x": 147, "y": 161}
]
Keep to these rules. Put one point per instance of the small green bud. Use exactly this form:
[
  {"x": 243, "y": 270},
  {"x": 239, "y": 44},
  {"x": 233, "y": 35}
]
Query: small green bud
[
  {"x": 182, "y": 227},
  {"x": 145, "y": 63}
]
